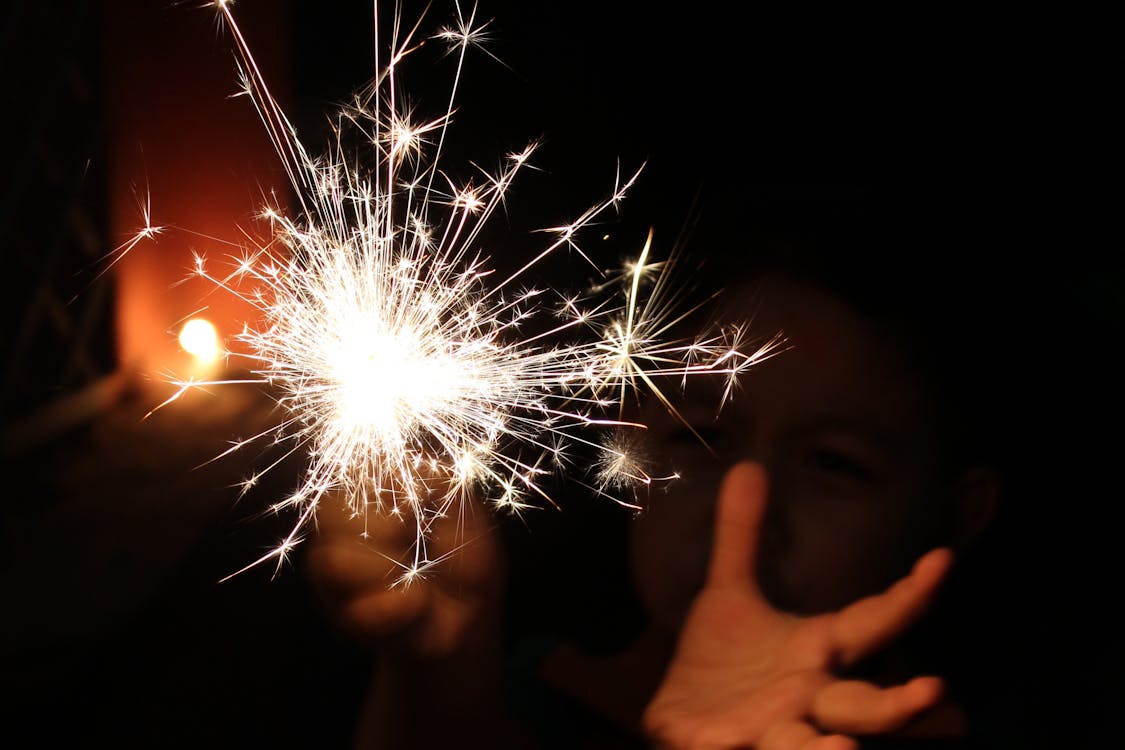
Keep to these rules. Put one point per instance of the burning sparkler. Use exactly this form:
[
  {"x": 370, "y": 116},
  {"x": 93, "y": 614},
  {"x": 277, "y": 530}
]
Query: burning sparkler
[{"x": 404, "y": 367}]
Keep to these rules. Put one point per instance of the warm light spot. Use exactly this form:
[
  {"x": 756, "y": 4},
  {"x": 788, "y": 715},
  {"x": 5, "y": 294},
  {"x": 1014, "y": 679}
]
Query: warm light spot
[{"x": 200, "y": 339}]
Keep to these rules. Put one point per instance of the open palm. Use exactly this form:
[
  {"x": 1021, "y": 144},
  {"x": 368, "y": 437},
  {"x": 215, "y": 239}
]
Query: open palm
[{"x": 746, "y": 675}]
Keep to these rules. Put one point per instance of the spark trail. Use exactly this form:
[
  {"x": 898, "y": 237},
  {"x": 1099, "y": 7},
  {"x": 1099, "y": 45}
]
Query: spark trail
[{"x": 402, "y": 359}]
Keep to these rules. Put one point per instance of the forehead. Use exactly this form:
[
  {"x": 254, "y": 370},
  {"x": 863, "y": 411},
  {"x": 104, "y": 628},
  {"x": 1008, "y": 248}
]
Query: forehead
[{"x": 839, "y": 365}]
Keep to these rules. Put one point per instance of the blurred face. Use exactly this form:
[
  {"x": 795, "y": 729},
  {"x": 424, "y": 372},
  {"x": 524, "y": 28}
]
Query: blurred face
[{"x": 847, "y": 435}]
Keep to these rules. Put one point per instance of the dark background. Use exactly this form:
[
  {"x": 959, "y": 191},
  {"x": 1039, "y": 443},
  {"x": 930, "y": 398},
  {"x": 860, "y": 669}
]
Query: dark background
[{"x": 115, "y": 628}]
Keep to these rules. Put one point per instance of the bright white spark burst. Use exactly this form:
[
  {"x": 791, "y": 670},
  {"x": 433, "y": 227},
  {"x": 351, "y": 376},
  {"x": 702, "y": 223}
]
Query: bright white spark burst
[{"x": 401, "y": 364}]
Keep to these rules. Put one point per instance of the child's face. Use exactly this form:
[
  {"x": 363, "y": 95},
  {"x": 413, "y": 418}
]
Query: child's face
[{"x": 847, "y": 435}]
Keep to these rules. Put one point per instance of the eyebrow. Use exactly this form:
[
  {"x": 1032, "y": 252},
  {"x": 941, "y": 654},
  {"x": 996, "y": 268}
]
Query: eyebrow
[{"x": 868, "y": 430}]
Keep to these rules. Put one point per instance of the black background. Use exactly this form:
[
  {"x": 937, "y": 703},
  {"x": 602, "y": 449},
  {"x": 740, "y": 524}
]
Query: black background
[{"x": 739, "y": 113}]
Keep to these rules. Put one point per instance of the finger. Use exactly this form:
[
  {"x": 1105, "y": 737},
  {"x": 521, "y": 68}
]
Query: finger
[
  {"x": 473, "y": 563},
  {"x": 465, "y": 521},
  {"x": 864, "y": 627},
  {"x": 345, "y": 567},
  {"x": 391, "y": 530},
  {"x": 857, "y": 707},
  {"x": 791, "y": 735},
  {"x": 798, "y": 735},
  {"x": 335, "y": 514},
  {"x": 384, "y": 613},
  {"x": 833, "y": 742},
  {"x": 738, "y": 520}
]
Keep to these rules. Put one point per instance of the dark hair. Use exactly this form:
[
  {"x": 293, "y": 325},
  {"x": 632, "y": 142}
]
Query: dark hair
[
  {"x": 924, "y": 267},
  {"x": 930, "y": 269}
]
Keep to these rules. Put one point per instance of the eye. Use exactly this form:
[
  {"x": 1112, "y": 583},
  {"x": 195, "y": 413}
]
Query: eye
[
  {"x": 838, "y": 464},
  {"x": 700, "y": 444}
]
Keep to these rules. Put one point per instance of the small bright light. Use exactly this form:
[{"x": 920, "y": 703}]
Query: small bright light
[{"x": 200, "y": 339}]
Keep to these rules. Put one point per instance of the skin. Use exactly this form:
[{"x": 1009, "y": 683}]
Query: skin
[
  {"x": 432, "y": 637},
  {"x": 831, "y": 509},
  {"x": 845, "y": 495},
  {"x": 847, "y": 436},
  {"x": 745, "y": 674}
]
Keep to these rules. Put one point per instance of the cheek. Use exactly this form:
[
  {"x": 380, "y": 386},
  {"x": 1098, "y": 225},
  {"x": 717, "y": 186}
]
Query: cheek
[
  {"x": 669, "y": 549},
  {"x": 819, "y": 556}
]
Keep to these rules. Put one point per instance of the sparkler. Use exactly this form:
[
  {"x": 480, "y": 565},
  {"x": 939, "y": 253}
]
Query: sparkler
[{"x": 402, "y": 359}]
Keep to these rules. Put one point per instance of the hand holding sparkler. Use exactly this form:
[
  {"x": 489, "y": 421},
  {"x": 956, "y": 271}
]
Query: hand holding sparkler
[
  {"x": 434, "y": 634},
  {"x": 747, "y": 675},
  {"x": 355, "y": 559}
]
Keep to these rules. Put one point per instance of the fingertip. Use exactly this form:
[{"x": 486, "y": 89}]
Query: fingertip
[
  {"x": 386, "y": 612},
  {"x": 744, "y": 474},
  {"x": 924, "y": 692},
  {"x": 835, "y": 742},
  {"x": 937, "y": 559},
  {"x": 741, "y": 496},
  {"x": 932, "y": 567},
  {"x": 348, "y": 563},
  {"x": 736, "y": 527}
]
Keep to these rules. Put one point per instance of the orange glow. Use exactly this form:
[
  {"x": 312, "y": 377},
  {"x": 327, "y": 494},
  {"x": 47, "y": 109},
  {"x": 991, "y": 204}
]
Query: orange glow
[
  {"x": 200, "y": 156},
  {"x": 199, "y": 338}
]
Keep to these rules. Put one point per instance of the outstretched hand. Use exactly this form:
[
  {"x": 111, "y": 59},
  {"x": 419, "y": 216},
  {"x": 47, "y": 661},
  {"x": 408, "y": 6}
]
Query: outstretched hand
[{"x": 745, "y": 675}]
